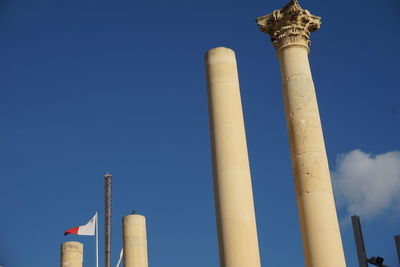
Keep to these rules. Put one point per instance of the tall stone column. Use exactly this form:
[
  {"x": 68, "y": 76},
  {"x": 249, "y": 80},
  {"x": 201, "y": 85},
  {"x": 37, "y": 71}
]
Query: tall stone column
[
  {"x": 236, "y": 223},
  {"x": 135, "y": 241},
  {"x": 71, "y": 254},
  {"x": 289, "y": 29}
]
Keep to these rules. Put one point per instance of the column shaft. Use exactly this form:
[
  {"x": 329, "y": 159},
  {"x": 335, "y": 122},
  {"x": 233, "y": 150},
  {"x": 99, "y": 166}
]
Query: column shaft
[
  {"x": 135, "y": 241},
  {"x": 289, "y": 29},
  {"x": 236, "y": 223},
  {"x": 318, "y": 220},
  {"x": 71, "y": 254}
]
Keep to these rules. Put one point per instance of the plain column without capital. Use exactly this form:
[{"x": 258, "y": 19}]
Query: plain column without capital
[{"x": 236, "y": 222}]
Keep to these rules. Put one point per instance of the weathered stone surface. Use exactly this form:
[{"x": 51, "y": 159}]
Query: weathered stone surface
[
  {"x": 236, "y": 222},
  {"x": 135, "y": 241},
  {"x": 72, "y": 254},
  {"x": 289, "y": 29},
  {"x": 289, "y": 25}
]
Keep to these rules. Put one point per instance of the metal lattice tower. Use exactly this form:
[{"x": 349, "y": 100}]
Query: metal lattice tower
[{"x": 107, "y": 219}]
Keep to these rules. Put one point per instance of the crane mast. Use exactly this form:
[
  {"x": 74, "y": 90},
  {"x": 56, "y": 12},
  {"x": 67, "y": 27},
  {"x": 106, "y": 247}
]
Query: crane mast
[{"x": 107, "y": 219}]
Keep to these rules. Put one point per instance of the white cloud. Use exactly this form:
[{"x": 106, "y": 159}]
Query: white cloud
[{"x": 368, "y": 185}]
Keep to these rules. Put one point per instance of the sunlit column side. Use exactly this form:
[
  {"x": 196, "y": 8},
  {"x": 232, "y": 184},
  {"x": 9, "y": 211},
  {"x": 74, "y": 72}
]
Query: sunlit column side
[
  {"x": 71, "y": 254},
  {"x": 135, "y": 241},
  {"x": 289, "y": 29},
  {"x": 236, "y": 223}
]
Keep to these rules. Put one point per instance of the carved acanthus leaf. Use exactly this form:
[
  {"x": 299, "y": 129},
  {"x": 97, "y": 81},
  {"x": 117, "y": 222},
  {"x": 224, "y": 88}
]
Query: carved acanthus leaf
[{"x": 290, "y": 25}]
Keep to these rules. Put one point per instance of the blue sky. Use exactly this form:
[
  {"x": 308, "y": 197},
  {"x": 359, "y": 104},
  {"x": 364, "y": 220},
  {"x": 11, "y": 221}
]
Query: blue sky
[{"x": 94, "y": 86}]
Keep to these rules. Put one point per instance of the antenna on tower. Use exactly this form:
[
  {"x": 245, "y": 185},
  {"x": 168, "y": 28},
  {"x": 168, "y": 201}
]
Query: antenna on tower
[{"x": 107, "y": 219}]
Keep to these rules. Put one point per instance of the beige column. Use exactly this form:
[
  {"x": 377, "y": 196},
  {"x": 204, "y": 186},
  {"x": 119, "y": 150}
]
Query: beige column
[
  {"x": 289, "y": 29},
  {"x": 237, "y": 232},
  {"x": 72, "y": 254},
  {"x": 135, "y": 241}
]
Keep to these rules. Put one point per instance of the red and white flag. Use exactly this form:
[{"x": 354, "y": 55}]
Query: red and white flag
[{"x": 87, "y": 229}]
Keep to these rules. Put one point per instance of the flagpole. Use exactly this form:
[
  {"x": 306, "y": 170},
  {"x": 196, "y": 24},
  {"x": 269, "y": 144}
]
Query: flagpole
[
  {"x": 97, "y": 240},
  {"x": 121, "y": 254}
]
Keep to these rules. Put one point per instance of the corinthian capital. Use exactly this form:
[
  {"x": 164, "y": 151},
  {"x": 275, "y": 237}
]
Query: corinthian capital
[{"x": 290, "y": 25}]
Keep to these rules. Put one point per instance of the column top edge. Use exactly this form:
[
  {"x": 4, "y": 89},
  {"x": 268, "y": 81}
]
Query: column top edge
[
  {"x": 133, "y": 216},
  {"x": 218, "y": 54}
]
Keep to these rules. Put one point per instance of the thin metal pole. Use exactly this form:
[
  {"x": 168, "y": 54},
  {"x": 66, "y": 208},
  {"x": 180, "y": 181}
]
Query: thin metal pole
[
  {"x": 107, "y": 220},
  {"x": 97, "y": 240},
  {"x": 397, "y": 241},
  {"x": 121, "y": 254},
  {"x": 358, "y": 237}
]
